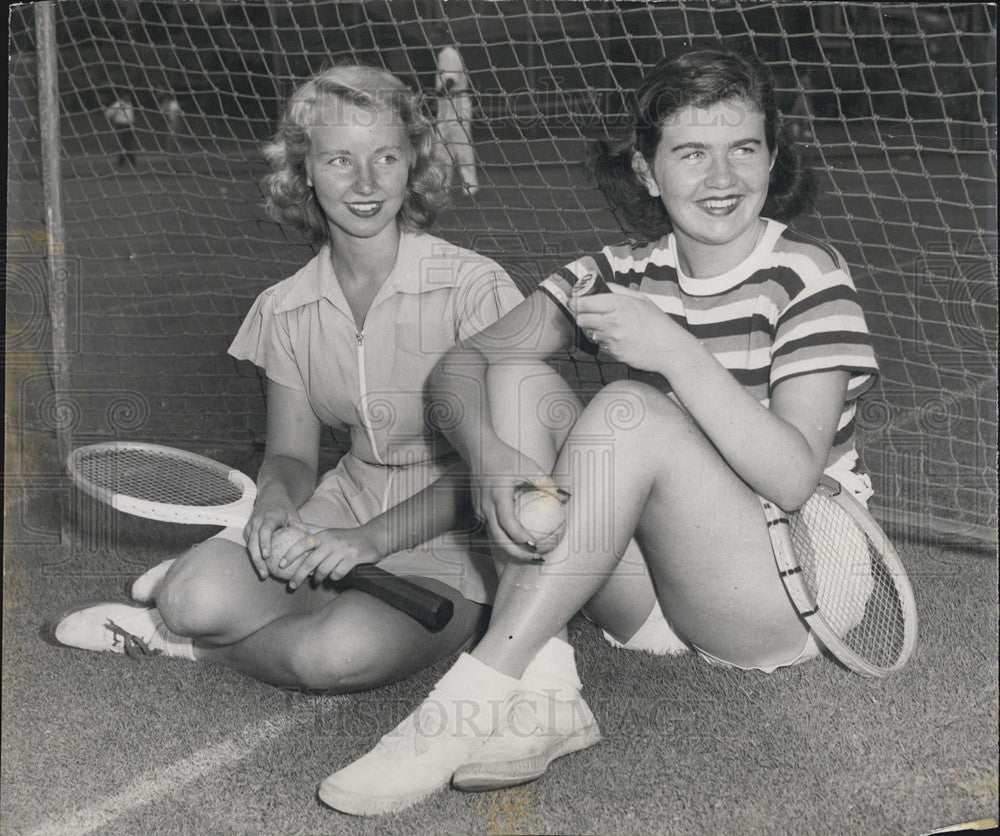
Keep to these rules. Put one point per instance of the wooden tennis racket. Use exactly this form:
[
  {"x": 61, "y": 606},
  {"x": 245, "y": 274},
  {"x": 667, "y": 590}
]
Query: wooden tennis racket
[
  {"x": 846, "y": 580},
  {"x": 171, "y": 485}
]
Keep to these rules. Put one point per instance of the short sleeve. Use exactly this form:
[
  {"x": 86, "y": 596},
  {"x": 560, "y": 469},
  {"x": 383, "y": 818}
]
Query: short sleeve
[
  {"x": 823, "y": 328},
  {"x": 484, "y": 296},
  {"x": 264, "y": 339}
]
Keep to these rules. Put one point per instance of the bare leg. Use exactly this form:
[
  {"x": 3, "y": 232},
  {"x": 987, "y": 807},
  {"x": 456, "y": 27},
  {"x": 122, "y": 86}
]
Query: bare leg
[
  {"x": 635, "y": 463},
  {"x": 465, "y": 156},
  {"x": 314, "y": 638},
  {"x": 534, "y": 410}
]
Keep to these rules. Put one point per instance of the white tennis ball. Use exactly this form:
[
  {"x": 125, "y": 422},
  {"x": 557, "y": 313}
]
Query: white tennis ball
[
  {"x": 283, "y": 539},
  {"x": 543, "y": 515}
]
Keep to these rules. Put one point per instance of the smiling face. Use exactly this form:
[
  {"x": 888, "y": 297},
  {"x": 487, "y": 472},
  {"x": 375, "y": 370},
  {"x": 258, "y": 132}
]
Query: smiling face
[
  {"x": 711, "y": 170},
  {"x": 358, "y": 165}
]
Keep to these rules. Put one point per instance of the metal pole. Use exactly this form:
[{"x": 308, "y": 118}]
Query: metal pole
[
  {"x": 58, "y": 274},
  {"x": 276, "y": 59}
]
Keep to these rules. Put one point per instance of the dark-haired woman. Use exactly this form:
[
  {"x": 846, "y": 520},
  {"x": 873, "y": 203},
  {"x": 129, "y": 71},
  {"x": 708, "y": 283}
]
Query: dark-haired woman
[
  {"x": 348, "y": 341},
  {"x": 747, "y": 350}
]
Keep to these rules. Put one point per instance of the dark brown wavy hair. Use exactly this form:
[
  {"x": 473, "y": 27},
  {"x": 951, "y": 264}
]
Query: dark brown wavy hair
[{"x": 701, "y": 78}]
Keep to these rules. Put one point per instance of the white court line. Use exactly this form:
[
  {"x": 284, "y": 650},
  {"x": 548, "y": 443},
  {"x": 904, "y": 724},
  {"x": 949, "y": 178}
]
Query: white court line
[{"x": 173, "y": 778}]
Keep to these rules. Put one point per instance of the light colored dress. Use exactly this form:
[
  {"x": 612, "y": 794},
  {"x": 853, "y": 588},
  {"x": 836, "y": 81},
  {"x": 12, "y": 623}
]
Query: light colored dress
[{"x": 302, "y": 333}]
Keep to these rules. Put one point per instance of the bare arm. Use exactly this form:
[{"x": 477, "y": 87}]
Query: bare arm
[
  {"x": 532, "y": 331},
  {"x": 288, "y": 474},
  {"x": 779, "y": 451},
  {"x": 333, "y": 552}
]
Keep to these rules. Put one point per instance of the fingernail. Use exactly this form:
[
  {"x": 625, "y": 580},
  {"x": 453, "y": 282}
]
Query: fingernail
[
  {"x": 530, "y": 546},
  {"x": 538, "y": 559},
  {"x": 565, "y": 496}
]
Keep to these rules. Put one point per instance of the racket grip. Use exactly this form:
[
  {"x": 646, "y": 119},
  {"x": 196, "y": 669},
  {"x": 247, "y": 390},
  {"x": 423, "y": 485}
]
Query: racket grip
[{"x": 430, "y": 609}]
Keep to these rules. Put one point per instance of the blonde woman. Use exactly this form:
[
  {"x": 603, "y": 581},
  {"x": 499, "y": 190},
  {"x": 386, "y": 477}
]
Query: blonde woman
[{"x": 348, "y": 341}]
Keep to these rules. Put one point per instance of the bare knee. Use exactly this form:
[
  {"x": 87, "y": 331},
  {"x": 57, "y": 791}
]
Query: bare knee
[
  {"x": 355, "y": 644},
  {"x": 190, "y": 599},
  {"x": 625, "y": 407},
  {"x": 533, "y": 408}
]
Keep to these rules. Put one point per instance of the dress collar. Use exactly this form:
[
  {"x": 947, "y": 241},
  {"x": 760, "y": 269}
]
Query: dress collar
[{"x": 317, "y": 280}]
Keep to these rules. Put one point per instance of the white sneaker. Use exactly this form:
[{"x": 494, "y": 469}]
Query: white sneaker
[
  {"x": 535, "y": 730},
  {"x": 146, "y": 586},
  {"x": 419, "y": 756},
  {"x": 117, "y": 628}
]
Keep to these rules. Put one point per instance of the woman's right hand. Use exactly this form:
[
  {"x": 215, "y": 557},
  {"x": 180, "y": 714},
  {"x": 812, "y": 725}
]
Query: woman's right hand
[
  {"x": 267, "y": 517},
  {"x": 495, "y": 482}
]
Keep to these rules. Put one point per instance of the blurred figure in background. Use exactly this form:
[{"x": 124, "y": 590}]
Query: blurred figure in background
[
  {"x": 454, "y": 115},
  {"x": 172, "y": 114},
  {"x": 121, "y": 116}
]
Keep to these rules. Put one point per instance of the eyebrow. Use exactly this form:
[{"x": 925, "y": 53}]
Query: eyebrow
[
  {"x": 702, "y": 146},
  {"x": 333, "y": 152}
]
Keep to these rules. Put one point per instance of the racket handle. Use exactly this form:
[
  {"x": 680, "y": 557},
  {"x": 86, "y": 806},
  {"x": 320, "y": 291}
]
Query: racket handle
[{"x": 430, "y": 609}]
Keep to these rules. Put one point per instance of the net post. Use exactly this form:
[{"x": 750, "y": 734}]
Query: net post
[
  {"x": 278, "y": 60},
  {"x": 57, "y": 273}
]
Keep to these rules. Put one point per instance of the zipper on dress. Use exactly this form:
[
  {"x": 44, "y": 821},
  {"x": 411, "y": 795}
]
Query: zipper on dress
[{"x": 363, "y": 386}]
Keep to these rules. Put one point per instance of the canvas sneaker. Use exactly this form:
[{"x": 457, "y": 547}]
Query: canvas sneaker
[
  {"x": 418, "y": 757},
  {"x": 535, "y": 730},
  {"x": 116, "y": 627}
]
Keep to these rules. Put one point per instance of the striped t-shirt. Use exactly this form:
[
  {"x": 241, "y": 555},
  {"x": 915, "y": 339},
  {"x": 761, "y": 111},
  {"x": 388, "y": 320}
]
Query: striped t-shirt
[{"x": 790, "y": 308}]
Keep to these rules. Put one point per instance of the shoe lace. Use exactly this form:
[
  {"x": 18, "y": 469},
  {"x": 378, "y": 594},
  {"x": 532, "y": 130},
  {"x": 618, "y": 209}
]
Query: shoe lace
[
  {"x": 134, "y": 646},
  {"x": 418, "y": 729},
  {"x": 521, "y": 717}
]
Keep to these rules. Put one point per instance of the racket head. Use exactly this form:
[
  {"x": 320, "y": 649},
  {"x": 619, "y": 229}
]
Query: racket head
[
  {"x": 162, "y": 483},
  {"x": 846, "y": 580}
]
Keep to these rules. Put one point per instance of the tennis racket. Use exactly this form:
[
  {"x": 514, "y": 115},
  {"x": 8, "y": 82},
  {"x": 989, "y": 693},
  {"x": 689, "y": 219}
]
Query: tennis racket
[
  {"x": 171, "y": 485},
  {"x": 845, "y": 579}
]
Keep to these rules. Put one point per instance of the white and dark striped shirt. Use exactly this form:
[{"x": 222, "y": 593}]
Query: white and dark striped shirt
[{"x": 790, "y": 308}]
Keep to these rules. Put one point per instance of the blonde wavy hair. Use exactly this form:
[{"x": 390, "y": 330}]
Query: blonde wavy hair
[{"x": 290, "y": 200}]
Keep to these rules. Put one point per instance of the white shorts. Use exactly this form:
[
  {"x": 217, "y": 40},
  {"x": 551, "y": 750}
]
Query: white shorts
[{"x": 657, "y": 636}]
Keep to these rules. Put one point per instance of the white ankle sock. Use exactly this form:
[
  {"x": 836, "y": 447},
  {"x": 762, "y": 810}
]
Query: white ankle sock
[
  {"x": 470, "y": 697},
  {"x": 169, "y": 643},
  {"x": 147, "y": 585},
  {"x": 471, "y": 679},
  {"x": 553, "y": 670}
]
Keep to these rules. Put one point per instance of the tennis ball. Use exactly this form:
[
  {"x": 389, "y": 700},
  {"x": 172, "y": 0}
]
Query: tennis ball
[
  {"x": 287, "y": 536},
  {"x": 543, "y": 514},
  {"x": 283, "y": 539}
]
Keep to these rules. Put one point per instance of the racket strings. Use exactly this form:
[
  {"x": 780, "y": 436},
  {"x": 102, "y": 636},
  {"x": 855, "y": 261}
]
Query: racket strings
[
  {"x": 159, "y": 477},
  {"x": 854, "y": 587}
]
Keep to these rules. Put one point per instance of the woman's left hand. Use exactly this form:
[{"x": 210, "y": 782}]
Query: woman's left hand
[
  {"x": 627, "y": 325},
  {"x": 327, "y": 553}
]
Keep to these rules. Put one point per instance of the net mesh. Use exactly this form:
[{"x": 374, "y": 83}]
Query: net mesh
[
  {"x": 855, "y": 589},
  {"x": 168, "y": 244},
  {"x": 155, "y": 476}
]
